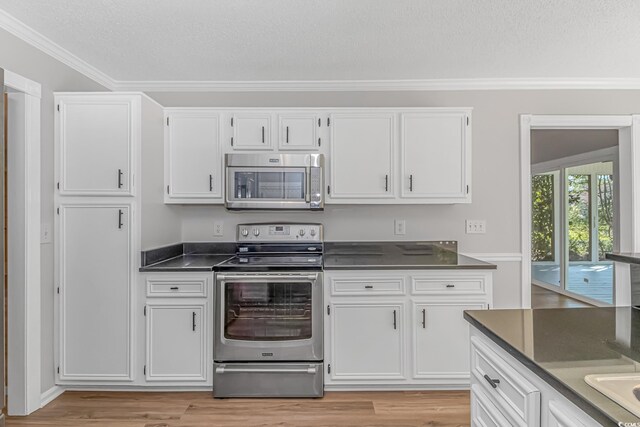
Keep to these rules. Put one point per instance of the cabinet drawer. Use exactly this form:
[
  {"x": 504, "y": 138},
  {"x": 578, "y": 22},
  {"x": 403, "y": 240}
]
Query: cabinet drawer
[
  {"x": 368, "y": 286},
  {"x": 483, "y": 412},
  {"x": 514, "y": 395},
  {"x": 179, "y": 287},
  {"x": 445, "y": 286}
]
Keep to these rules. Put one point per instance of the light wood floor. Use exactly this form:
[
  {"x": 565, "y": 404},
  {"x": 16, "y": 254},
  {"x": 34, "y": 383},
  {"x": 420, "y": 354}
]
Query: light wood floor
[{"x": 146, "y": 409}]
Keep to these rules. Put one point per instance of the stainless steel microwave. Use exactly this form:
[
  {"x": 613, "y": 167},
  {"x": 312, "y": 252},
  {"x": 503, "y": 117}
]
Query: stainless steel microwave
[{"x": 274, "y": 181}]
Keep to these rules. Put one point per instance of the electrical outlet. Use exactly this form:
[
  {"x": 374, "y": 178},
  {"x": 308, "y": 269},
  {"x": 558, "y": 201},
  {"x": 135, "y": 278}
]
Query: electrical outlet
[
  {"x": 476, "y": 226},
  {"x": 400, "y": 227},
  {"x": 218, "y": 228},
  {"x": 45, "y": 233}
]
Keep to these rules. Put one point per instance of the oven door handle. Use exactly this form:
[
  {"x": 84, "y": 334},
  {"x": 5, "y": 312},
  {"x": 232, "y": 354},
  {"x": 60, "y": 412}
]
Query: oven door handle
[
  {"x": 229, "y": 277},
  {"x": 224, "y": 370}
]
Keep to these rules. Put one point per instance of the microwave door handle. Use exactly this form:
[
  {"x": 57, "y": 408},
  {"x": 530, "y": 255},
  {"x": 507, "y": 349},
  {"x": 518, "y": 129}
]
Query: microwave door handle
[{"x": 307, "y": 179}]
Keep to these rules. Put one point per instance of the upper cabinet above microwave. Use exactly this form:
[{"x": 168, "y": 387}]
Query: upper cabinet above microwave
[{"x": 372, "y": 155}]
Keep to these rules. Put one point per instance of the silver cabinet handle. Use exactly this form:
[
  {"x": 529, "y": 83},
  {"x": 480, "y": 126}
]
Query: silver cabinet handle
[
  {"x": 386, "y": 183},
  {"x": 449, "y": 285},
  {"x": 287, "y": 135},
  {"x": 410, "y": 182},
  {"x": 224, "y": 370},
  {"x": 174, "y": 288},
  {"x": 193, "y": 321},
  {"x": 119, "y": 178},
  {"x": 263, "y": 134},
  {"x": 395, "y": 323},
  {"x": 368, "y": 286},
  {"x": 424, "y": 318},
  {"x": 210, "y": 182},
  {"x": 120, "y": 223}
]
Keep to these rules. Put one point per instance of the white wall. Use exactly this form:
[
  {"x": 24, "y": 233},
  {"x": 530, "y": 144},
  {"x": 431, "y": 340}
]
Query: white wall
[
  {"x": 23, "y": 59},
  {"x": 551, "y": 144}
]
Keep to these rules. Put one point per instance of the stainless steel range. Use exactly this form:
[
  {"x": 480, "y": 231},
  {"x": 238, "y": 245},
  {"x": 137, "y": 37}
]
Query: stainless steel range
[{"x": 268, "y": 315}]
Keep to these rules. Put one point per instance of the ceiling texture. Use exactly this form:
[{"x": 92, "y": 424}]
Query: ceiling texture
[{"x": 286, "y": 40}]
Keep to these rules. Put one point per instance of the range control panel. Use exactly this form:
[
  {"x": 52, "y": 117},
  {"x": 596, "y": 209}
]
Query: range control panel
[{"x": 279, "y": 232}]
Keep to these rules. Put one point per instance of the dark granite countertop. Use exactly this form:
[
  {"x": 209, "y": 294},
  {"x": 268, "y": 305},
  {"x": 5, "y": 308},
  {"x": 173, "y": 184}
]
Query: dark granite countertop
[
  {"x": 563, "y": 345},
  {"x": 186, "y": 257},
  {"x": 628, "y": 257},
  {"x": 397, "y": 255}
]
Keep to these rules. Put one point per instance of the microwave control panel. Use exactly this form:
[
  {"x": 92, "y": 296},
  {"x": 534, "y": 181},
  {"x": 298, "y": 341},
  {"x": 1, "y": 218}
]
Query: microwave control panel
[{"x": 279, "y": 232}]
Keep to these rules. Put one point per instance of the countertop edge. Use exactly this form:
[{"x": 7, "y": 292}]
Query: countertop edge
[
  {"x": 558, "y": 385},
  {"x": 621, "y": 257},
  {"x": 411, "y": 267}
]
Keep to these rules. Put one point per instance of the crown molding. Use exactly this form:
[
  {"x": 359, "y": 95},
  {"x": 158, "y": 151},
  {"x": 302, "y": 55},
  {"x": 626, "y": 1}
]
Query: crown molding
[
  {"x": 46, "y": 45},
  {"x": 378, "y": 85}
]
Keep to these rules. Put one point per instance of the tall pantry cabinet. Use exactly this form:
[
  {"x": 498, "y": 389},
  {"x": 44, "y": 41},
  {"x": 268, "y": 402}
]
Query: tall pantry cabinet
[{"x": 97, "y": 235}]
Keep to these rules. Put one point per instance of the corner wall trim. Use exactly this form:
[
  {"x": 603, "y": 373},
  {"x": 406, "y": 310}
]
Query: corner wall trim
[{"x": 50, "y": 395}]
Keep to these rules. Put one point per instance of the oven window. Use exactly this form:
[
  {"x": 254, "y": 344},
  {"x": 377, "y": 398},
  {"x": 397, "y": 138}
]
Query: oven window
[
  {"x": 279, "y": 185},
  {"x": 267, "y": 311}
]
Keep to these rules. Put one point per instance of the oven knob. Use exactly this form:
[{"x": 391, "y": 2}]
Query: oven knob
[
  {"x": 313, "y": 232},
  {"x": 256, "y": 232},
  {"x": 302, "y": 231},
  {"x": 245, "y": 232}
]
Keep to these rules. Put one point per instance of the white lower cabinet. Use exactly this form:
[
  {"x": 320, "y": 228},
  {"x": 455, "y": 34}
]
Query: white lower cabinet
[
  {"x": 442, "y": 339},
  {"x": 506, "y": 393},
  {"x": 367, "y": 340},
  {"x": 178, "y": 329},
  {"x": 176, "y": 342},
  {"x": 380, "y": 334},
  {"x": 95, "y": 293}
]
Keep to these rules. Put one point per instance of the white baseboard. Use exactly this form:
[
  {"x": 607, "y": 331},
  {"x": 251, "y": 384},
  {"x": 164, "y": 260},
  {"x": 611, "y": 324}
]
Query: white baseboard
[
  {"x": 397, "y": 387},
  {"x": 50, "y": 395}
]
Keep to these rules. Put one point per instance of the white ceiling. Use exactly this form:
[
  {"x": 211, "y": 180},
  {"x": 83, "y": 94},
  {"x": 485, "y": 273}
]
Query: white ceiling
[{"x": 263, "y": 40}]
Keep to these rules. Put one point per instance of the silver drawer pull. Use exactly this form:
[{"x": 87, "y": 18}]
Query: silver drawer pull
[
  {"x": 174, "y": 288},
  {"x": 450, "y": 285},
  {"x": 368, "y": 286},
  {"x": 224, "y": 370},
  {"x": 494, "y": 383}
]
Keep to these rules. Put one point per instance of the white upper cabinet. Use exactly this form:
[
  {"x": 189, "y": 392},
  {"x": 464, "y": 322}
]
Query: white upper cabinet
[
  {"x": 97, "y": 136},
  {"x": 435, "y": 156},
  {"x": 299, "y": 132},
  {"x": 95, "y": 271},
  {"x": 251, "y": 131},
  {"x": 362, "y": 156},
  {"x": 193, "y": 159}
]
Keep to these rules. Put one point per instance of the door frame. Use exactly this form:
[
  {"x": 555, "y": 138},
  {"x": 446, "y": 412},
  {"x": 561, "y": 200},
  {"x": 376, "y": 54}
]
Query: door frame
[
  {"x": 24, "y": 281},
  {"x": 629, "y": 184}
]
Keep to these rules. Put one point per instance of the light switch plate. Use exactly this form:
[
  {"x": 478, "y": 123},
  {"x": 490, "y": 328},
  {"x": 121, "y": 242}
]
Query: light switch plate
[
  {"x": 400, "y": 227},
  {"x": 45, "y": 233},
  {"x": 476, "y": 226}
]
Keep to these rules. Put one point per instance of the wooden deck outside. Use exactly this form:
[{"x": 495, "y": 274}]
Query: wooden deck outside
[{"x": 591, "y": 280}]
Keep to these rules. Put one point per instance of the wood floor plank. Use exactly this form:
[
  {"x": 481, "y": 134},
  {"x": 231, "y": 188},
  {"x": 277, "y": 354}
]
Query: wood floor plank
[{"x": 200, "y": 409}]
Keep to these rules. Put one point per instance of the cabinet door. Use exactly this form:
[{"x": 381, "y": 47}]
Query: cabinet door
[
  {"x": 435, "y": 156},
  {"x": 483, "y": 412},
  {"x": 193, "y": 156},
  {"x": 251, "y": 131},
  {"x": 97, "y": 136},
  {"x": 442, "y": 340},
  {"x": 367, "y": 341},
  {"x": 560, "y": 415},
  {"x": 176, "y": 342},
  {"x": 299, "y": 132},
  {"x": 95, "y": 293},
  {"x": 362, "y": 159}
]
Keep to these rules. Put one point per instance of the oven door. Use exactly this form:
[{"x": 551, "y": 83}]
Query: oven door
[{"x": 268, "y": 317}]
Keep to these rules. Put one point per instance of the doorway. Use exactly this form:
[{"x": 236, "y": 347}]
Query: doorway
[
  {"x": 626, "y": 196},
  {"x": 574, "y": 217}
]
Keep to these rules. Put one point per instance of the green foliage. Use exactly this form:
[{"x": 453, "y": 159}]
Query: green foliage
[
  {"x": 579, "y": 215},
  {"x": 543, "y": 232}
]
